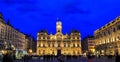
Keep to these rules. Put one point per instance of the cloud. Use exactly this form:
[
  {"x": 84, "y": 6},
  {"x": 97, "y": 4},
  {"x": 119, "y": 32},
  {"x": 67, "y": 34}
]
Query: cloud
[{"x": 73, "y": 8}]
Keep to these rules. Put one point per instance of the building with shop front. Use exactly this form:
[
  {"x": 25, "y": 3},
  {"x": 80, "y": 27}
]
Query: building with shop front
[
  {"x": 30, "y": 43},
  {"x": 88, "y": 45},
  {"x": 107, "y": 38},
  {"x": 54, "y": 44}
]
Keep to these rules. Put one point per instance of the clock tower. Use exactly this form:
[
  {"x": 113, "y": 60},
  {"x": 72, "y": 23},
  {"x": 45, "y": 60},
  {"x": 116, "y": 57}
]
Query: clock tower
[{"x": 59, "y": 26}]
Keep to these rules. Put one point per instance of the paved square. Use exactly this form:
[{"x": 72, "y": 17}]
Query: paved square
[{"x": 105, "y": 59}]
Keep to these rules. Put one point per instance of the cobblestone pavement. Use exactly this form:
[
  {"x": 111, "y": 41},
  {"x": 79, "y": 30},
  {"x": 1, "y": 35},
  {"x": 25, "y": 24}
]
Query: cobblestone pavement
[{"x": 73, "y": 60}]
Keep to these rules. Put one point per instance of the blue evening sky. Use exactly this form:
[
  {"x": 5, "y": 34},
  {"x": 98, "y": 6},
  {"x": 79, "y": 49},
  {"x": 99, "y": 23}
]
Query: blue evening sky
[{"x": 30, "y": 16}]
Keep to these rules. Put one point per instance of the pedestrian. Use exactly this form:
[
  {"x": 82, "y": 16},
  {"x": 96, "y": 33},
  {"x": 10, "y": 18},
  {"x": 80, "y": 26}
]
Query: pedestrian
[
  {"x": 89, "y": 57},
  {"x": 117, "y": 59},
  {"x": 61, "y": 58},
  {"x": 4, "y": 59},
  {"x": 10, "y": 57},
  {"x": 14, "y": 57},
  {"x": 1, "y": 56},
  {"x": 7, "y": 58},
  {"x": 24, "y": 58}
]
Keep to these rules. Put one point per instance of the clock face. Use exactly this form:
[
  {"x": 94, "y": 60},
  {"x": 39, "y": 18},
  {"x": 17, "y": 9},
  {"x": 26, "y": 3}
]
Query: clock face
[
  {"x": 59, "y": 26},
  {"x": 59, "y": 23}
]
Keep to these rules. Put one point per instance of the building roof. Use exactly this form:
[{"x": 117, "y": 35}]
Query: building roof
[
  {"x": 117, "y": 19},
  {"x": 75, "y": 31},
  {"x": 43, "y": 31}
]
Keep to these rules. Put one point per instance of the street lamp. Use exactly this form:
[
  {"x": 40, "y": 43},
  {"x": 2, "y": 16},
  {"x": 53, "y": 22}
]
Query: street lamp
[{"x": 30, "y": 51}]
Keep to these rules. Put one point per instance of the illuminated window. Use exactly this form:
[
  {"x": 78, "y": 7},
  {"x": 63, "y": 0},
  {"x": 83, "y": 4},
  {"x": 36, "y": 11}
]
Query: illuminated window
[
  {"x": 108, "y": 40},
  {"x": 66, "y": 45},
  {"x": 104, "y": 41},
  {"x": 41, "y": 37},
  {"x": 75, "y": 45},
  {"x": 113, "y": 39}
]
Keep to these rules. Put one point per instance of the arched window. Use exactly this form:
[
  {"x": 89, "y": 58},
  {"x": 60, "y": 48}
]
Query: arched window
[{"x": 73, "y": 45}]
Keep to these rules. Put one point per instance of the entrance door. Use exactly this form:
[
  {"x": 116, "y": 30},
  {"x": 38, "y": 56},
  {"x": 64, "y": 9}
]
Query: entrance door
[{"x": 58, "y": 52}]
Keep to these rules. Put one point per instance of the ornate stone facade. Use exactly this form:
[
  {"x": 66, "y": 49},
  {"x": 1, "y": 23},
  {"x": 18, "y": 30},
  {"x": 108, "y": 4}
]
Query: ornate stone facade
[{"x": 59, "y": 43}]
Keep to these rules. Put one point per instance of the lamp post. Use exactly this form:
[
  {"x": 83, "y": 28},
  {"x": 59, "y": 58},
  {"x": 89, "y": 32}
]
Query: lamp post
[{"x": 30, "y": 51}]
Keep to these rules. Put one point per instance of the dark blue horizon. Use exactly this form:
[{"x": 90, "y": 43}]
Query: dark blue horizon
[{"x": 30, "y": 16}]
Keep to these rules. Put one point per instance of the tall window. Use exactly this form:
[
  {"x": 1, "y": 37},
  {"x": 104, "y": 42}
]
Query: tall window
[
  {"x": 77, "y": 37},
  {"x": 108, "y": 31},
  {"x": 48, "y": 44},
  {"x": 64, "y": 44},
  {"x": 39, "y": 52},
  {"x": 73, "y": 45},
  {"x": 43, "y": 51},
  {"x": 68, "y": 44},
  {"x": 73, "y": 37},
  {"x": 114, "y": 30},
  {"x": 52, "y": 45},
  {"x": 118, "y": 37},
  {"x": 78, "y": 45},
  {"x": 43, "y": 37},
  {"x": 118, "y": 27},
  {"x": 58, "y": 43},
  {"x": 43, "y": 45}
]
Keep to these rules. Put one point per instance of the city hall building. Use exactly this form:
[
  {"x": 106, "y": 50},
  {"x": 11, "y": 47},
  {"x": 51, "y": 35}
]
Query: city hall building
[
  {"x": 54, "y": 44},
  {"x": 107, "y": 38}
]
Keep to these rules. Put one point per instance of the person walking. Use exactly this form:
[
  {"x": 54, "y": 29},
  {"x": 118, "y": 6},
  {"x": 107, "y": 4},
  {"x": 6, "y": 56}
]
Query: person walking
[
  {"x": 61, "y": 58},
  {"x": 1, "y": 56},
  {"x": 7, "y": 58},
  {"x": 4, "y": 58},
  {"x": 117, "y": 58}
]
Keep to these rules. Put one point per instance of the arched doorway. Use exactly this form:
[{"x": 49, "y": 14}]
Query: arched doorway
[{"x": 59, "y": 52}]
